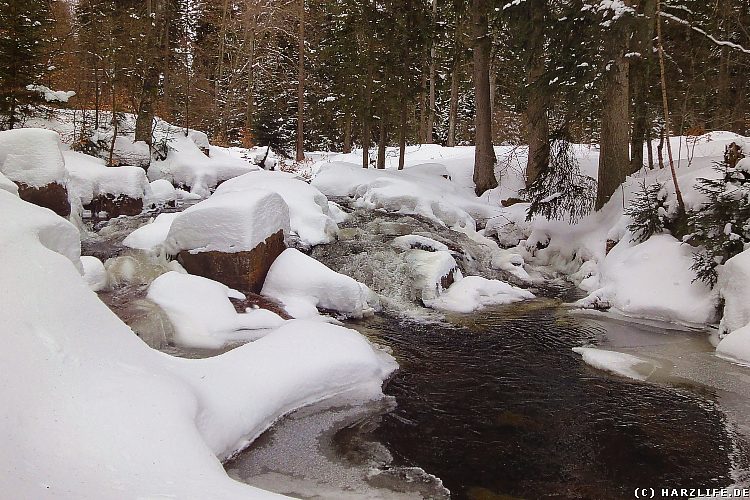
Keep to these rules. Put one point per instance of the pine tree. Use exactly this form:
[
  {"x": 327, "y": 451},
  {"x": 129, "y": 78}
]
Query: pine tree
[
  {"x": 647, "y": 212},
  {"x": 22, "y": 41}
]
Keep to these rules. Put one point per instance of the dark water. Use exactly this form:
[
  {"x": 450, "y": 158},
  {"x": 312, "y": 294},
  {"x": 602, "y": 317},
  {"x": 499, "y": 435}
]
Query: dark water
[{"x": 502, "y": 408}]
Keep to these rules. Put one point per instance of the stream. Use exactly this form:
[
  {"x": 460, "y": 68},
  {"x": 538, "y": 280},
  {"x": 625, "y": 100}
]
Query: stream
[{"x": 487, "y": 405}]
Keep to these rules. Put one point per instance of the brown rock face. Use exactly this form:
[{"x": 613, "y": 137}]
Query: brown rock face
[
  {"x": 253, "y": 299},
  {"x": 53, "y": 196},
  {"x": 244, "y": 271},
  {"x": 115, "y": 206}
]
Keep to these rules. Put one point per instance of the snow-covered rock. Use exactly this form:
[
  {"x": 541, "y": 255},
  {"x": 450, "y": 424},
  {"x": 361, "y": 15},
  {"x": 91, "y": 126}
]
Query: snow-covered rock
[
  {"x": 231, "y": 222},
  {"x": 188, "y": 166},
  {"x": 153, "y": 234},
  {"x": 161, "y": 192},
  {"x": 203, "y": 316},
  {"x": 51, "y": 95},
  {"x": 91, "y": 178},
  {"x": 432, "y": 272},
  {"x": 94, "y": 273},
  {"x": 309, "y": 214},
  {"x": 619, "y": 363},
  {"x": 474, "y": 292},
  {"x": 85, "y": 403},
  {"x": 32, "y": 156},
  {"x": 653, "y": 280},
  {"x": 736, "y": 345},
  {"x": 414, "y": 241},
  {"x": 734, "y": 288},
  {"x": 304, "y": 285}
]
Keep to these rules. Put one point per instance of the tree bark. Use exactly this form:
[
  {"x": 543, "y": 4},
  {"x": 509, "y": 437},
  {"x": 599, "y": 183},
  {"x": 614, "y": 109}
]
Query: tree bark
[
  {"x": 433, "y": 56},
  {"x": 366, "y": 115},
  {"x": 348, "y": 132},
  {"x": 453, "y": 110},
  {"x": 382, "y": 140},
  {"x": 402, "y": 138},
  {"x": 537, "y": 123},
  {"x": 640, "y": 72},
  {"x": 301, "y": 85},
  {"x": 614, "y": 160},
  {"x": 484, "y": 153},
  {"x": 154, "y": 52}
]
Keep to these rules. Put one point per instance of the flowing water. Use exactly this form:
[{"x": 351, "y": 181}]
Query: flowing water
[{"x": 495, "y": 404}]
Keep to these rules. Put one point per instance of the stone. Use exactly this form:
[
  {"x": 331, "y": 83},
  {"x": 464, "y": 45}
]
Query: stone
[
  {"x": 253, "y": 300},
  {"x": 244, "y": 271},
  {"x": 53, "y": 196},
  {"x": 115, "y": 206},
  {"x": 610, "y": 245}
]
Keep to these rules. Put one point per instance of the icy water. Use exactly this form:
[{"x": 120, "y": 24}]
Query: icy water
[{"x": 488, "y": 405}]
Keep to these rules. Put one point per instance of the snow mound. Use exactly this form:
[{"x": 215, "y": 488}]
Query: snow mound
[
  {"x": 51, "y": 95},
  {"x": 653, "y": 280},
  {"x": 474, "y": 292},
  {"x": 94, "y": 273},
  {"x": 186, "y": 165},
  {"x": 429, "y": 270},
  {"x": 8, "y": 185},
  {"x": 90, "y": 177},
  {"x": 440, "y": 200},
  {"x": 734, "y": 288},
  {"x": 618, "y": 363},
  {"x": 32, "y": 156},
  {"x": 309, "y": 213},
  {"x": 231, "y": 222},
  {"x": 151, "y": 235},
  {"x": 203, "y": 316},
  {"x": 413, "y": 241},
  {"x": 161, "y": 192},
  {"x": 736, "y": 345},
  {"x": 86, "y": 403},
  {"x": 303, "y": 285}
]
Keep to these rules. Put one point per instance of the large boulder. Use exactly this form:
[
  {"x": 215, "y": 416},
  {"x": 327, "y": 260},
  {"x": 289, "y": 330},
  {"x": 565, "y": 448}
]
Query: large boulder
[
  {"x": 114, "y": 205},
  {"x": 244, "y": 270},
  {"x": 231, "y": 238},
  {"x": 32, "y": 159}
]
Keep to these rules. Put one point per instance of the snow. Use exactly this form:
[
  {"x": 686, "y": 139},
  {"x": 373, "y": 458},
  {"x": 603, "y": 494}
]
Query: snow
[
  {"x": 94, "y": 273},
  {"x": 736, "y": 345},
  {"x": 304, "y": 285},
  {"x": 475, "y": 292},
  {"x": 410, "y": 241},
  {"x": 32, "y": 156},
  {"x": 86, "y": 403},
  {"x": 734, "y": 289},
  {"x": 161, "y": 192},
  {"x": 153, "y": 234},
  {"x": 309, "y": 213},
  {"x": 186, "y": 165},
  {"x": 231, "y": 222},
  {"x": 90, "y": 177},
  {"x": 8, "y": 185},
  {"x": 203, "y": 316},
  {"x": 51, "y": 95},
  {"x": 428, "y": 270},
  {"x": 653, "y": 280},
  {"x": 619, "y": 363}
]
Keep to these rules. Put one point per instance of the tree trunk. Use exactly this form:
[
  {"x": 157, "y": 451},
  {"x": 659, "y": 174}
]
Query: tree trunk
[
  {"x": 423, "y": 110},
  {"x": 154, "y": 54},
  {"x": 402, "y": 138},
  {"x": 301, "y": 85},
  {"x": 382, "y": 140},
  {"x": 453, "y": 110},
  {"x": 640, "y": 72},
  {"x": 433, "y": 57},
  {"x": 484, "y": 154},
  {"x": 614, "y": 160},
  {"x": 649, "y": 147},
  {"x": 366, "y": 115},
  {"x": 348, "y": 132},
  {"x": 537, "y": 123}
]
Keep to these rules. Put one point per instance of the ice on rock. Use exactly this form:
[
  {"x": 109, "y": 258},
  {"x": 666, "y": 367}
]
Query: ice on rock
[
  {"x": 475, "y": 292},
  {"x": 432, "y": 272},
  {"x": 32, "y": 156},
  {"x": 309, "y": 212},
  {"x": 230, "y": 222},
  {"x": 305, "y": 285},
  {"x": 203, "y": 316}
]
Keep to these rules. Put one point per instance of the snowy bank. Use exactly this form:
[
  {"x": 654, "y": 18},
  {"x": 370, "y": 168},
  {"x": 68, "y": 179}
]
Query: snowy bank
[{"x": 87, "y": 403}]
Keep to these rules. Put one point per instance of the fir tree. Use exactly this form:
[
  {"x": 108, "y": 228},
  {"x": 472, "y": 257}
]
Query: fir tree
[
  {"x": 647, "y": 212},
  {"x": 22, "y": 39}
]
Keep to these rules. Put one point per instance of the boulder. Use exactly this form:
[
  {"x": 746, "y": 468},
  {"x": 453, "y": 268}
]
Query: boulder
[
  {"x": 53, "y": 196},
  {"x": 245, "y": 270},
  {"x": 115, "y": 205}
]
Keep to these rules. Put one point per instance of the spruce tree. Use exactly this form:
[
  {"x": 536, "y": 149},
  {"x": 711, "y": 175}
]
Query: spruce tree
[{"x": 22, "y": 41}]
